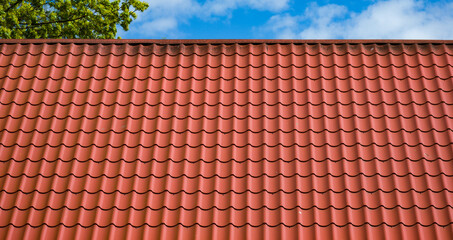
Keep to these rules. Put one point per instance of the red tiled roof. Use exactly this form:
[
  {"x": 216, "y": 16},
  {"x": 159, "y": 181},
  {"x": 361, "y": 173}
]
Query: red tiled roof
[{"x": 226, "y": 139}]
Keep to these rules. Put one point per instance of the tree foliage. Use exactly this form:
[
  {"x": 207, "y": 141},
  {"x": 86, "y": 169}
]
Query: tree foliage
[{"x": 66, "y": 18}]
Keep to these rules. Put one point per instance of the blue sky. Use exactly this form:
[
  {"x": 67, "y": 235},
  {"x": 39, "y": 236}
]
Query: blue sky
[{"x": 292, "y": 19}]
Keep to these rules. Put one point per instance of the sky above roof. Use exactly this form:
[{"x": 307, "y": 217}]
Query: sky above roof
[{"x": 292, "y": 19}]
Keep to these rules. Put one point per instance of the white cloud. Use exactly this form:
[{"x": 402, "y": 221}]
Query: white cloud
[
  {"x": 322, "y": 19},
  {"x": 273, "y": 5},
  {"x": 164, "y": 16},
  {"x": 283, "y": 25},
  {"x": 158, "y": 26},
  {"x": 397, "y": 19},
  {"x": 221, "y": 6}
]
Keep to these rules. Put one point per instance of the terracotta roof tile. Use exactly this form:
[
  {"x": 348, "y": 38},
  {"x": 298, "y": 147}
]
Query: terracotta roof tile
[{"x": 226, "y": 139}]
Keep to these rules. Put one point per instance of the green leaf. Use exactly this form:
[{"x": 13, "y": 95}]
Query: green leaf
[{"x": 66, "y": 18}]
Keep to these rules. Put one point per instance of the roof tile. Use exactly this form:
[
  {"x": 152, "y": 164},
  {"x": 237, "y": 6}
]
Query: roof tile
[{"x": 226, "y": 139}]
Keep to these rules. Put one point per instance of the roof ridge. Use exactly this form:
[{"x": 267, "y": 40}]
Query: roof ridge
[{"x": 227, "y": 41}]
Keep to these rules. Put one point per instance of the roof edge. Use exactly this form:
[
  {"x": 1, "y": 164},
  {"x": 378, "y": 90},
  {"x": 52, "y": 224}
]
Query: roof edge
[{"x": 220, "y": 41}]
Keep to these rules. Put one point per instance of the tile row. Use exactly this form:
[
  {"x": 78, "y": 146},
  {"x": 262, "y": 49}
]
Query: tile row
[
  {"x": 231, "y": 169},
  {"x": 238, "y": 49},
  {"x": 413, "y": 126},
  {"x": 248, "y": 153},
  {"x": 307, "y": 218},
  {"x": 225, "y": 99},
  {"x": 245, "y": 73},
  {"x": 234, "y": 61},
  {"x": 279, "y": 201},
  {"x": 400, "y": 88},
  {"x": 226, "y": 140},
  {"x": 47, "y": 183},
  {"x": 226, "y": 112},
  {"x": 228, "y": 232}
]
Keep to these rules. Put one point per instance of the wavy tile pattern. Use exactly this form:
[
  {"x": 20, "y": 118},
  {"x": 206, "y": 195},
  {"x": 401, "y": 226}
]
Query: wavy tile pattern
[{"x": 226, "y": 140}]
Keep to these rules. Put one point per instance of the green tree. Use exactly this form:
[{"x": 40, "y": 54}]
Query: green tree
[{"x": 66, "y": 18}]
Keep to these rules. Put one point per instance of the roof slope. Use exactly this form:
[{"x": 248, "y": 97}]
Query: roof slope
[{"x": 226, "y": 140}]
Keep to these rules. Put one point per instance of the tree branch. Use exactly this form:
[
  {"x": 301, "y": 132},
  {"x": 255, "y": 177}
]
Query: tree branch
[
  {"x": 44, "y": 23},
  {"x": 13, "y": 5}
]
